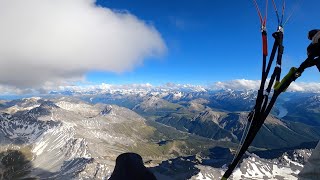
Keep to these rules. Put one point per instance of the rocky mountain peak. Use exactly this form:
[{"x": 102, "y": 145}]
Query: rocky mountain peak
[{"x": 106, "y": 110}]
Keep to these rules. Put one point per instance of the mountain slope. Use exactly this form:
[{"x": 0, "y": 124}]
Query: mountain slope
[
  {"x": 253, "y": 167},
  {"x": 304, "y": 109},
  {"x": 55, "y": 133},
  {"x": 230, "y": 126},
  {"x": 65, "y": 138}
]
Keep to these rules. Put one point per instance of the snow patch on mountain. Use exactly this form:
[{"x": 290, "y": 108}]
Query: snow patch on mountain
[
  {"x": 66, "y": 142},
  {"x": 254, "y": 168},
  {"x": 16, "y": 129}
]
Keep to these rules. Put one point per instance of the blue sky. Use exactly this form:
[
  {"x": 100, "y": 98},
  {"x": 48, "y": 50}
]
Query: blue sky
[
  {"x": 212, "y": 40},
  {"x": 53, "y": 44}
]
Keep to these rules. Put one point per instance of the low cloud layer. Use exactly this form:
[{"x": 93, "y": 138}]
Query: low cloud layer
[
  {"x": 238, "y": 84},
  {"x": 244, "y": 84},
  {"x": 305, "y": 87},
  {"x": 53, "y": 41}
]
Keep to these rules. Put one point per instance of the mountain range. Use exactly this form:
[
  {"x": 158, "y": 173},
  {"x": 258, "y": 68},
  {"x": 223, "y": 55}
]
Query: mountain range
[{"x": 78, "y": 135}]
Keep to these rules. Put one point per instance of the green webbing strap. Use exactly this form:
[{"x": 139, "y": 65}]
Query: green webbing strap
[{"x": 284, "y": 82}]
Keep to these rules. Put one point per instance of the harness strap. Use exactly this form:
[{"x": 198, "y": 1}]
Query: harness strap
[{"x": 259, "y": 120}]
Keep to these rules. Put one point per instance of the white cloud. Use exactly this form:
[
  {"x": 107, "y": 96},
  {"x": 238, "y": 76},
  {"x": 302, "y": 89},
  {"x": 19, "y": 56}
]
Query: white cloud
[
  {"x": 9, "y": 90},
  {"x": 146, "y": 86},
  {"x": 49, "y": 41},
  {"x": 240, "y": 84},
  {"x": 244, "y": 84},
  {"x": 304, "y": 87},
  {"x": 98, "y": 87},
  {"x": 185, "y": 87}
]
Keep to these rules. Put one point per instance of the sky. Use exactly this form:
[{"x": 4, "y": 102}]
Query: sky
[
  {"x": 211, "y": 41},
  {"x": 50, "y": 43}
]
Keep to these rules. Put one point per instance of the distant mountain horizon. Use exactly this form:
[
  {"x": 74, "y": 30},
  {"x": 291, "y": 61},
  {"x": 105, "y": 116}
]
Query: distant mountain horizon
[{"x": 10, "y": 92}]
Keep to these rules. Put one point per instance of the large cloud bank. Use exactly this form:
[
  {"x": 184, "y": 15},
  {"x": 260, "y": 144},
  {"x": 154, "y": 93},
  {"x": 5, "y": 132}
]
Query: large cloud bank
[{"x": 45, "y": 41}]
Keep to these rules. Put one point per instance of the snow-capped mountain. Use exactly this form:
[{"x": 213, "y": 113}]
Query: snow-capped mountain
[
  {"x": 68, "y": 139},
  {"x": 78, "y": 136},
  {"x": 253, "y": 167}
]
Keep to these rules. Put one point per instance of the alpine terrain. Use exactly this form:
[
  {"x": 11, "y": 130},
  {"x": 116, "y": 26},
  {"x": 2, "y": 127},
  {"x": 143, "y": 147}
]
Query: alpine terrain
[{"x": 181, "y": 134}]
